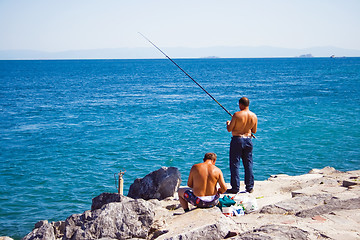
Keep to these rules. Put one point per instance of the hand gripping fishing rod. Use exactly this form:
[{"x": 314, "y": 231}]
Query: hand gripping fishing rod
[{"x": 188, "y": 76}]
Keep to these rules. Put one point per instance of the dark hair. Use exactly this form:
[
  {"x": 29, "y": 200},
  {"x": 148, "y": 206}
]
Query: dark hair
[
  {"x": 244, "y": 101},
  {"x": 210, "y": 156}
]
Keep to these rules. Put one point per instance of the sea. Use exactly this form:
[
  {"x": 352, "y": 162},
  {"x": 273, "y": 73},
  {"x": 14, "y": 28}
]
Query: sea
[{"x": 68, "y": 127}]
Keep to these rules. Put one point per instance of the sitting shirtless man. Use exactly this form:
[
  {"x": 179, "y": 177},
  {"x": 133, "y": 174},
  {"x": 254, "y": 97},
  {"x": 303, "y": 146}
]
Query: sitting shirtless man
[{"x": 202, "y": 181}]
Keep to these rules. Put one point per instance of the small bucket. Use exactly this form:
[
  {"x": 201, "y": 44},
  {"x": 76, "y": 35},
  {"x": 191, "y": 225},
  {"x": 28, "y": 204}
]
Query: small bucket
[{"x": 227, "y": 211}]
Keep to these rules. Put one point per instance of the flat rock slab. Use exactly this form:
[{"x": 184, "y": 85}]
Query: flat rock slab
[
  {"x": 198, "y": 224},
  {"x": 297, "y": 204},
  {"x": 274, "y": 232}
]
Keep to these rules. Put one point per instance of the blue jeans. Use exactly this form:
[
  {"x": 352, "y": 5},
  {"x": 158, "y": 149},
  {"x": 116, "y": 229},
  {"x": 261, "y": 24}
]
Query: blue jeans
[{"x": 241, "y": 148}]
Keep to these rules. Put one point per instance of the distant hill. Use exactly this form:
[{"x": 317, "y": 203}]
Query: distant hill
[
  {"x": 307, "y": 56},
  {"x": 149, "y": 52}
]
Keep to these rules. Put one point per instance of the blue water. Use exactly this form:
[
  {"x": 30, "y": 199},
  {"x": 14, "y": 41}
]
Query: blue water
[{"x": 67, "y": 126}]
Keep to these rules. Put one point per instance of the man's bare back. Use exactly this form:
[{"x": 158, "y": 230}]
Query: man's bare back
[
  {"x": 242, "y": 123},
  {"x": 203, "y": 178}
]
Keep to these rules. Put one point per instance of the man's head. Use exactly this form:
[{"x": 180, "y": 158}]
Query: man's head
[
  {"x": 210, "y": 156},
  {"x": 244, "y": 103}
]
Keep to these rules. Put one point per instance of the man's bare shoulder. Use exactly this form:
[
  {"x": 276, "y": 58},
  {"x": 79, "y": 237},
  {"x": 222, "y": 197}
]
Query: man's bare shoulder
[
  {"x": 216, "y": 169},
  {"x": 238, "y": 114},
  {"x": 253, "y": 114},
  {"x": 198, "y": 166},
  {"x": 195, "y": 166}
]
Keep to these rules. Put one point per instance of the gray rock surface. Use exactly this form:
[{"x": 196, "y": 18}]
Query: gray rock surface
[
  {"x": 105, "y": 198},
  {"x": 296, "y": 204},
  {"x": 160, "y": 184},
  {"x": 317, "y": 203},
  {"x": 123, "y": 219},
  {"x": 45, "y": 230},
  {"x": 333, "y": 204},
  {"x": 118, "y": 220},
  {"x": 198, "y": 224},
  {"x": 275, "y": 232}
]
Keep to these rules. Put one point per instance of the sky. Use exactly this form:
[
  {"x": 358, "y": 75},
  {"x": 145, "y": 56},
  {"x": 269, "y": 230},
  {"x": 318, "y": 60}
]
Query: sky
[{"x": 62, "y": 25}]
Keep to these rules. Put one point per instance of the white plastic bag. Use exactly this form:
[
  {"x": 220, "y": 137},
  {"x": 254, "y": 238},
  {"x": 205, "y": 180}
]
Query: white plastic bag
[{"x": 250, "y": 205}]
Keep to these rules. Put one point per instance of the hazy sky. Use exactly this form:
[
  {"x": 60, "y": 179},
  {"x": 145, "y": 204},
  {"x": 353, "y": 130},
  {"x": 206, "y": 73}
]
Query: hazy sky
[{"x": 58, "y": 25}]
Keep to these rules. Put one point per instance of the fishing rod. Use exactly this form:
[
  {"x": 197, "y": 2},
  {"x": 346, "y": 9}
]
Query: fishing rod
[
  {"x": 186, "y": 74},
  {"x": 252, "y": 135}
]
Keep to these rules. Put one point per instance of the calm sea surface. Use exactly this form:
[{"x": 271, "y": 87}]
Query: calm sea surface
[{"x": 67, "y": 126}]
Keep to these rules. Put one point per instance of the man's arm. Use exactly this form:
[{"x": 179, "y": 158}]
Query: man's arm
[
  {"x": 230, "y": 124},
  {"x": 222, "y": 183},
  {"x": 190, "y": 179},
  {"x": 254, "y": 128}
]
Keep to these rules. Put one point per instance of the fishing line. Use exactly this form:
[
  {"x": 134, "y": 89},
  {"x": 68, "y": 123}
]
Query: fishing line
[
  {"x": 186, "y": 73},
  {"x": 188, "y": 76}
]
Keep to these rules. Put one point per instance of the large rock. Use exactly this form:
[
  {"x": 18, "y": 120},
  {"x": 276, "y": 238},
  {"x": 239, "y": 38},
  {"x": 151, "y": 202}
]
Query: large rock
[
  {"x": 160, "y": 184},
  {"x": 45, "y": 230},
  {"x": 105, "y": 198},
  {"x": 117, "y": 220},
  {"x": 113, "y": 217}
]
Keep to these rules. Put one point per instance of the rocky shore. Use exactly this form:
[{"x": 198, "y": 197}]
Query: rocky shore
[{"x": 323, "y": 204}]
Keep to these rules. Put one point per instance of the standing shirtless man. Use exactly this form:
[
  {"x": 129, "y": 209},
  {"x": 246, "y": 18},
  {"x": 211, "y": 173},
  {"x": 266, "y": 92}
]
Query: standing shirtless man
[
  {"x": 242, "y": 125},
  {"x": 202, "y": 181}
]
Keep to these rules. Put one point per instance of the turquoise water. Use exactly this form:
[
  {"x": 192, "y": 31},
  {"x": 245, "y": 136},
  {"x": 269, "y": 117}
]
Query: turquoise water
[{"x": 67, "y": 126}]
